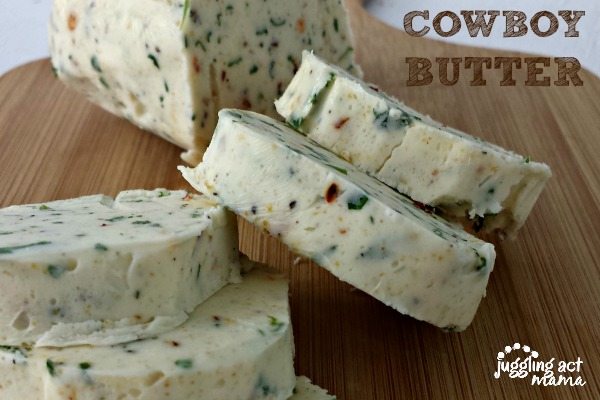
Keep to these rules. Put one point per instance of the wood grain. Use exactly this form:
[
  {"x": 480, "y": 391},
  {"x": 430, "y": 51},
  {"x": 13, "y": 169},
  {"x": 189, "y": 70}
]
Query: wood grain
[{"x": 544, "y": 292}]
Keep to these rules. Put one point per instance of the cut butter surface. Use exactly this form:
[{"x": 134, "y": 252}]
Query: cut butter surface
[
  {"x": 169, "y": 66},
  {"x": 99, "y": 271},
  {"x": 356, "y": 227},
  {"x": 465, "y": 177},
  {"x": 305, "y": 390},
  {"x": 236, "y": 346}
]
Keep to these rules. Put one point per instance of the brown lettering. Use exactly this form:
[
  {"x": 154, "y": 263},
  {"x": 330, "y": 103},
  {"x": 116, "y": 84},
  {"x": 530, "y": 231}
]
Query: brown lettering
[
  {"x": 533, "y": 71},
  {"x": 515, "y": 23},
  {"x": 506, "y": 63},
  {"x": 408, "y": 23},
  {"x": 564, "y": 70},
  {"x": 571, "y": 18},
  {"x": 419, "y": 71},
  {"x": 443, "y": 67},
  {"x": 535, "y": 24},
  {"x": 437, "y": 24},
  {"x": 480, "y": 24},
  {"x": 477, "y": 64}
]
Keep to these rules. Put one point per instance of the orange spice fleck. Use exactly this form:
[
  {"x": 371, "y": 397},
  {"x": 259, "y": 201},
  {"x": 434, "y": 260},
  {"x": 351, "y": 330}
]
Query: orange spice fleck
[
  {"x": 341, "y": 122},
  {"x": 196, "y": 64},
  {"x": 72, "y": 21},
  {"x": 300, "y": 25}
]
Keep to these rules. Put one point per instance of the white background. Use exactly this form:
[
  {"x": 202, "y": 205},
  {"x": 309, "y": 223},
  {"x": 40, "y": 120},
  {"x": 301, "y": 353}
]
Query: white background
[{"x": 23, "y": 27}]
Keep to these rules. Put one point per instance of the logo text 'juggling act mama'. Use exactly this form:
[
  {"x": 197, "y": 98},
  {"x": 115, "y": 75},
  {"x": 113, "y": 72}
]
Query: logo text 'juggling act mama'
[
  {"x": 543, "y": 373},
  {"x": 543, "y": 24}
]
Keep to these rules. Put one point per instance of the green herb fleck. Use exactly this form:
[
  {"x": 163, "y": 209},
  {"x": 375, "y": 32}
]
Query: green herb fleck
[
  {"x": 336, "y": 25},
  {"x": 234, "y": 62},
  {"x": 44, "y": 207},
  {"x": 56, "y": 271},
  {"x": 253, "y": 69},
  {"x": 296, "y": 123},
  {"x": 51, "y": 366},
  {"x": 262, "y": 31},
  {"x": 482, "y": 262},
  {"x": 104, "y": 83},
  {"x": 115, "y": 219},
  {"x": 357, "y": 203},
  {"x": 164, "y": 193},
  {"x": 451, "y": 328},
  {"x": 100, "y": 247},
  {"x": 277, "y": 21},
  {"x": 349, "y": 50},
  {"x": 141, "y": 222},
  {"x": 339, "y": 169},
  {"x": 10, "y": 250},
  {"x": 186, "y": 9},
  {"x": 154, "y": 60},
  {"x": 95, "y": 64},
  {"x": 85, "y": 365},
  {"x": 384, "y": 120},
  {"x": 185, "y": 363},
  {"x": 527, "y": 160},
  {"x": 276, "y": 324}
]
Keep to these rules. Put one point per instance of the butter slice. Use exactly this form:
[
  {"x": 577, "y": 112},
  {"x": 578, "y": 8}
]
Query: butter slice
[
  {"x": 480, "y": 183},
  {"x": 170, "y": 66},
  {"x": 237, "y": 345},
  {"x": 96, "y": 271},
  {"x": 349, "y": 223}
]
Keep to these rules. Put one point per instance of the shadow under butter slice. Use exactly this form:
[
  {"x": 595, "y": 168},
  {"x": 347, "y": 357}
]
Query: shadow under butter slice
[
  {"x": 349, "y": 223},
  {"x": 236, "y": 345},
  {"x": 99, "y": 271}
]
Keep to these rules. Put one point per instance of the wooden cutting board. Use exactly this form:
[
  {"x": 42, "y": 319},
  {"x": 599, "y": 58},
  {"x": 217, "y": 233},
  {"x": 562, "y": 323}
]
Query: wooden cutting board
[{"x": 544, "y": 292}]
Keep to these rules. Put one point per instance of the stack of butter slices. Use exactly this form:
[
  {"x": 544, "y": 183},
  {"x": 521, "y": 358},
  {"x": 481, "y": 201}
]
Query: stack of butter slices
[
  {"x": 463, "y": 177},
  {"x": 137, "y": 298},
  {"x": 170, "y": 66},
  {"x": 369, "y": 190}
]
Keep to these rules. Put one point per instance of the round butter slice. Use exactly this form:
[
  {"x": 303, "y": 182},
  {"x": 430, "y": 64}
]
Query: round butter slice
[
  {"x": 236, "y": 345},
  {"x": 99, "y": 271}
]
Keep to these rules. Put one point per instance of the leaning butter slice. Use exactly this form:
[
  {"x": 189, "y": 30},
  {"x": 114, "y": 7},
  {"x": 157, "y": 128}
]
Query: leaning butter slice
[
  {"x": 169, "y": 66},
  {"x": 463, "y": 176},
  {"x": 353, "y": 225},
  {"x": 97, "y": 271},
  {"x": 305, "y": 390},
  {"x": 236, "y": 345}
]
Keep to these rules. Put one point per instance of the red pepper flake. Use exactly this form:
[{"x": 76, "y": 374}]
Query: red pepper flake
[
  {"x": 341, "y": 122},
  {"x": 246, "y": 105},
  {"x": 223, "y": 75},
  {"x": 188, "y": 197},
  {"x": 300, "y": 25},
  {"x": 428, "y": 209},
  {"x": 343, "y": 231},
  {"x": 174, "y": 343},
  {"x": 435, "y": 172},
  {"x": 196, "y": 64},
  {"x": 332, "y": 193}
]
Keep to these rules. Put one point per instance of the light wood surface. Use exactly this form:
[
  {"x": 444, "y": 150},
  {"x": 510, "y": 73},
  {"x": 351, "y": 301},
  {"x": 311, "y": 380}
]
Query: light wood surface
[{"x": 544, "y": 291}]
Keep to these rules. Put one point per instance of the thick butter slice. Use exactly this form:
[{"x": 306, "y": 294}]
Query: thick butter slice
[
  {"x": 96, "y": 271},
  {"x": 170, "y": 66},
  {"x": 481, "y": 184},
  {"x": 237, "y": 345},
  {"x": 353, "y": 225}
]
